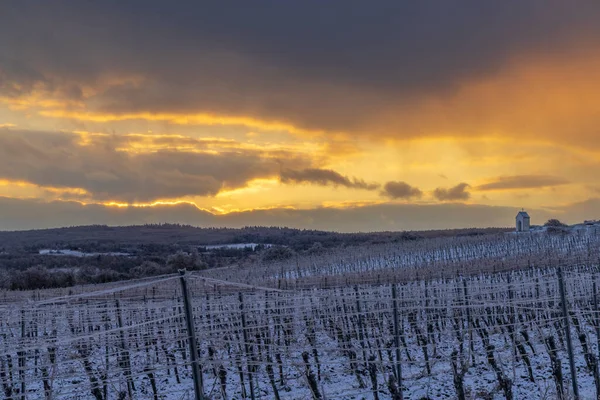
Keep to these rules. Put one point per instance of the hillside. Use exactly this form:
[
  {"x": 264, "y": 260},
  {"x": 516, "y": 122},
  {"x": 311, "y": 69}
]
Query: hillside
[{"x": 109, "y": 238}]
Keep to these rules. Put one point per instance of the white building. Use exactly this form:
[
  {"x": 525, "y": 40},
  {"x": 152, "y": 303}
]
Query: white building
[{"x": 522, "y": 221}]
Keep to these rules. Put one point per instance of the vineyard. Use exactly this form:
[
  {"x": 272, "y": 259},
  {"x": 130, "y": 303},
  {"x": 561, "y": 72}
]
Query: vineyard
[{"x": 511, "y": 317}]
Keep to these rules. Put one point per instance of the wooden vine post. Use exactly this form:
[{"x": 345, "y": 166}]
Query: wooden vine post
[
  {"x": 247, "y": 347},
  {"x": 196, "y": 372},
  {"x": 397, "y": 340},
  {"x": 596, "y": 319},
  {"x": 126, "y": 358},
  {"x": 563, "y": 300}
]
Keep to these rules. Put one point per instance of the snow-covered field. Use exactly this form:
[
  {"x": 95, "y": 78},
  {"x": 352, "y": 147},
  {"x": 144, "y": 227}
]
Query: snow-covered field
[
  {"x": 421, "y": 259},
  {"x": 483, "y": 335}
]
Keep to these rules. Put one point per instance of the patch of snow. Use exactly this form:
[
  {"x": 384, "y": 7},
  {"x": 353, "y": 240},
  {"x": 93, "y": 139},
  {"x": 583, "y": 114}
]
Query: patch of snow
[
  {"x": 76, "y": 253},
  {"x": 235, "y": 246}
]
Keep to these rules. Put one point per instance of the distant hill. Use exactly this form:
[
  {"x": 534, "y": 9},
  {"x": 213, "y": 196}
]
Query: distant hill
[{"x": 110, "y": 238}]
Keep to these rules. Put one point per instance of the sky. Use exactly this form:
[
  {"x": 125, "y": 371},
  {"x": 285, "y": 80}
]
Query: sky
[{"x": 347, "y": 116}]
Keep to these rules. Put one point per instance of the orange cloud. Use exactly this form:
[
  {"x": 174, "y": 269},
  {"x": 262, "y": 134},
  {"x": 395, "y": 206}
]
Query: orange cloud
[
  {"x": 145, "y": 205},
  {"x": 25, "y": 189},
  {"x": 522, "y": 182},
  {"x": 182, "y": 119},
  {"x": 551, "y": 99},
  {"x": 95, "y": 164}
]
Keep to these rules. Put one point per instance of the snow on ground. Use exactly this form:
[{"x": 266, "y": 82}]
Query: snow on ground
[
  {"x": 235, "y": 246},
  {"x": 77, "y": 253},
  {"x": 94, "y": 338},
  {"x": 127, "y": 334}
]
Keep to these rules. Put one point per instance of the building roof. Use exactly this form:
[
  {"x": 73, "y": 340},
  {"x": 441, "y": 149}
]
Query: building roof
[{"x": 523, "y": 214}]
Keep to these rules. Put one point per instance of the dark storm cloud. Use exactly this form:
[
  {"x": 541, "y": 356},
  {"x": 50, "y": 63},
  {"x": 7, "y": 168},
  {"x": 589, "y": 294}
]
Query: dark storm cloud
[
  {"x": 458, "y": 192},
  {"x": 400, "y": 190},
  {"x": 60, "y": 160},
  {"x": 523, "y": 182},
  {"x": 324, "y": 177},
  {"x": 326, "y": 65}
]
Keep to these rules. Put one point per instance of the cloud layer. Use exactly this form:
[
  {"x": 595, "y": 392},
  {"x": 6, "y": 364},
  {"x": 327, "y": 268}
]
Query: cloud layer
[
  {"x": 455, "y": 193},
  {"x": 306, "y": 64},
  {"x": 400, "y": 190},
  {"x": 523, "y": 182},
  {"x": 324, "y": 177},
  {"x": 105, "y": 173}
]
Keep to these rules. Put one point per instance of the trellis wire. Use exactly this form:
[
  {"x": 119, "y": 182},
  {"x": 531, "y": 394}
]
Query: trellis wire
[{"x": 71, "y": 345}]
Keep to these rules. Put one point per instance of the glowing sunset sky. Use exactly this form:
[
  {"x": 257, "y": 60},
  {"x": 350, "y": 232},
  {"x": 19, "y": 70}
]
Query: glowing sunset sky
[{"x": 348, "y": 115}]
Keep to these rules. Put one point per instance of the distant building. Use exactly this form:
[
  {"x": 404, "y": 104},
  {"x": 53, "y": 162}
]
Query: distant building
[{"x": 522, "y": 221}]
